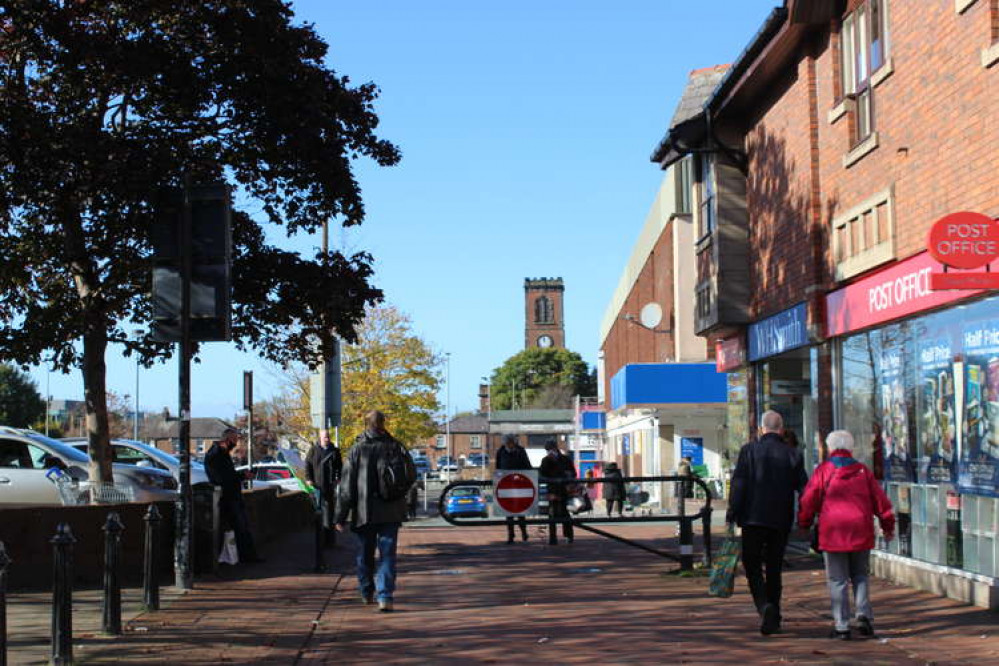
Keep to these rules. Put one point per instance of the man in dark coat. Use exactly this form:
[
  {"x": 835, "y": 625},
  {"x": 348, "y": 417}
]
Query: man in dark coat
[
  {"x": 767, "y": 476},
  {"x": 374, "y": 521},
  {"x": 557, "y": 465},
  {"x": 513, "y": 456},
  {"x": 222, "y": 472},
  {"x": 322, "y": 468},
  {"x": 613, "y": 489}
]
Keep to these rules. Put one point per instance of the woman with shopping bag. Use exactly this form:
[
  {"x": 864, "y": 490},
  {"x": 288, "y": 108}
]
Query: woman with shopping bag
[{"x": 845, "y": 497}]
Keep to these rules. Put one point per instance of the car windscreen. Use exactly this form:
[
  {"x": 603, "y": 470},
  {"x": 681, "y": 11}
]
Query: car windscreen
[
  {"x": 166, "y": 459},
  {"x": 465, "y": 492},
  {"x": 64, "y": 451}
]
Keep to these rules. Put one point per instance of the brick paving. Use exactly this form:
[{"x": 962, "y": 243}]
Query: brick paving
[{"x": 464, "y": 596}]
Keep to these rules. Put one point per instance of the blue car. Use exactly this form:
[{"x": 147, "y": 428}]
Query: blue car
[{"x": 466, "y": 501}]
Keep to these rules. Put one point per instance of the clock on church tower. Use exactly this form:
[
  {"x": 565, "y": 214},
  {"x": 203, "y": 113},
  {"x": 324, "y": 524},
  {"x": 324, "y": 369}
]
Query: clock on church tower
[{"x": 544, "y": 324}]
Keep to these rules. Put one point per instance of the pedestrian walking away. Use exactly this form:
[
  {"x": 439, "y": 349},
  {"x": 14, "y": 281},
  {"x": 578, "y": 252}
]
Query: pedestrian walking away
[
  {"x": 513, "y": 456},
  {"x": 232, "y": 512},
  {"x": 614, "y": 489},
  {"x": 557, "y": 465},
  {"x": 374, "y": 485},
  {"x": 843, "y": 495},
  {"x": 767, "y": 476},
  {"x": 323, "y": 466}
]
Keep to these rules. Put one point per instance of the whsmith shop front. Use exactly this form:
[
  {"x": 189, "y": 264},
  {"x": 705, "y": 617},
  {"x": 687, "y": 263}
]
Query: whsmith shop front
[{"x": 916, "y": 380}]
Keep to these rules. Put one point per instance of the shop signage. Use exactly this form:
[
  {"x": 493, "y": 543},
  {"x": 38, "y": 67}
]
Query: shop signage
[
  {"x": 964, "y": 241},
  {"x": 895, "y": 292},
  {"x": 779, "y": 333},
  {"x": 790, "y": 387},
  {"x": 693, "y": 448},
  {"x": 730, "y": 353}
]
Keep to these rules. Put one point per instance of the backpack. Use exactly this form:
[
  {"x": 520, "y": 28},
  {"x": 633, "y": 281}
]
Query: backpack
[{"x": 396, "y": 472}]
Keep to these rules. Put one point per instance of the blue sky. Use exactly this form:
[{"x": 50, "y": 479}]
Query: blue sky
[{"x": 526, "y": 128}]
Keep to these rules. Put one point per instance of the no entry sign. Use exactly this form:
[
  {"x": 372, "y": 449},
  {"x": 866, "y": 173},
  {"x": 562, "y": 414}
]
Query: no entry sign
[{"x": 516, "y": 492}]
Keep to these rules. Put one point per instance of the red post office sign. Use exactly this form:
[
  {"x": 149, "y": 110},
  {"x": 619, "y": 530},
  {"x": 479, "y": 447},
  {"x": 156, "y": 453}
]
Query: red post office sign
[{"x": 964, "y": 240}]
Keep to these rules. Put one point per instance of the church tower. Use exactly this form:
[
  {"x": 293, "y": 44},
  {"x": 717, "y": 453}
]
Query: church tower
[{"x": 544, "y": 320}]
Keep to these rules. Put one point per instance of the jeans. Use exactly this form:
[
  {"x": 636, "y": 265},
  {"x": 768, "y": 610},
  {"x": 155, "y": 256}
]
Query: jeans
[
  {"x": 232, "y": 516},
  {"x": 841, "y": 570},
  {"x": 379, "y": 583},
  {"x": 763, "y": 547},
  {"x": 509, "y": 527}
]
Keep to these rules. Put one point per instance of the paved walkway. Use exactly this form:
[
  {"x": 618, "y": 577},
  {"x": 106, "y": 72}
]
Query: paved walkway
[{"x": 466, "y": 597}]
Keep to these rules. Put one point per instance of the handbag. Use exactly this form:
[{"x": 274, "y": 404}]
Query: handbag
[
  {"x": 721, "y": 582},
  {"x": 229, "y": 554}
]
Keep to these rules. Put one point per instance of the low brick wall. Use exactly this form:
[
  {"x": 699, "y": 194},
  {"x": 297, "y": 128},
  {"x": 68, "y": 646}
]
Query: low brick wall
[{"x": 26, "y": 531}]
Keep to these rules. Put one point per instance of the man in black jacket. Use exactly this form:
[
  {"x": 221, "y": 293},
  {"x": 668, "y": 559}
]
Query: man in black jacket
[
  {"x": 767, "y": 476},
  {"x": 557, "y": 465},
  {"x": 373, "y": 520},
  {"x": 322, "y": 468},
  {"x": 512, "y": 456},
  {"x": 222, "y": 472}
]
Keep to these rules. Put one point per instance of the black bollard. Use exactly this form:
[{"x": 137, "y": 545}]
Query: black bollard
[
  {"x": 320, "y": 560},
  {"x": 4, "y": 563},
  {"x": 111, "y": 608},
  {"x": 686, "y": 543},
  {"x": 62, "y": 595},
  {"x": 150, "y": 561}
]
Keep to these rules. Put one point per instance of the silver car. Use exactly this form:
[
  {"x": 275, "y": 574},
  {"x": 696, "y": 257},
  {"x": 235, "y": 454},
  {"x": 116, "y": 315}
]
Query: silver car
[{"x": 27, "y": 457}]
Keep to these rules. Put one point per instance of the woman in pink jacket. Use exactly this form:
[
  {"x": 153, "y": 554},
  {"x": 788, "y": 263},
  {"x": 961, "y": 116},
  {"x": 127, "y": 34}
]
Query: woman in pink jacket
[{"x": 845, "y": 496}]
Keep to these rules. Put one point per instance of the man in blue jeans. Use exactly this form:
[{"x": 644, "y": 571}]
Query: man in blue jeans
[{"x": 374, "y": 521}]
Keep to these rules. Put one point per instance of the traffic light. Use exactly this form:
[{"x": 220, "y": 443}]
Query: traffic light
[{"x": 207, "y": 208}]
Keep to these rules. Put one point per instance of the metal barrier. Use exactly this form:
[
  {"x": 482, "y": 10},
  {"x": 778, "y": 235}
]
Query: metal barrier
[{"x": 686, "y": 522}]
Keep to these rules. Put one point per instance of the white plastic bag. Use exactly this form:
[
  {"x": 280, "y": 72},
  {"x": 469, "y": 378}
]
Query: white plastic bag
[{"x": 229, "y": 554}]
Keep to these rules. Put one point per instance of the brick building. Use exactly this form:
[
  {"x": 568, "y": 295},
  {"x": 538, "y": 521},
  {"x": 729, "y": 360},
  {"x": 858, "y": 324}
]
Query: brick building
[
  {"x": 844, "y": 131},
  {"x": 544, "y": 315},
  {"x": 469, "y": 434}
]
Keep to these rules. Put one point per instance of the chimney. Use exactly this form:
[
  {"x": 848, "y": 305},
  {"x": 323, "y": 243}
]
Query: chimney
[{"x": 484, "y": 398}]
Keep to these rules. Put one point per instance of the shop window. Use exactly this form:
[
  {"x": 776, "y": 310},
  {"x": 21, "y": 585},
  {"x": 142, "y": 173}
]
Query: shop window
[
  {"x": 864, "y": 236},
  {"x": 683, "y": 176},
  {"x": 707, "y": 206},
  {"x": 978, "y": 527},
  {"x": 863, "y": 55}
]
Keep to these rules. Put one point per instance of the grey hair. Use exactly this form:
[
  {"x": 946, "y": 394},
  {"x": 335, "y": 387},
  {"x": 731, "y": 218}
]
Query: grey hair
[
  {"x": 509, "y": 438},
  {"x": 839, "y": 439},
  {"x": 771, "y": 421}
]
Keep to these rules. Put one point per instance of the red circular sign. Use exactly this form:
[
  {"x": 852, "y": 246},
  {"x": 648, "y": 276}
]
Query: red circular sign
[
  {"x": 964, "y": 240},
  {"x": 515, "y": 493}
]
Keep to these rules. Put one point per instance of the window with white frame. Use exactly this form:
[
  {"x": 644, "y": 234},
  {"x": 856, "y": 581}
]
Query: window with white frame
[
  {"x": 706, "y": 178},
  {"x": 863, "y": 50},
  {"x": 475, "y": 441},
  {"x": 441, "y": 442}
]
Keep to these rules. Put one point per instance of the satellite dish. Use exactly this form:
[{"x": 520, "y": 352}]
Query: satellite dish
[{"x": 651, "y": 315}]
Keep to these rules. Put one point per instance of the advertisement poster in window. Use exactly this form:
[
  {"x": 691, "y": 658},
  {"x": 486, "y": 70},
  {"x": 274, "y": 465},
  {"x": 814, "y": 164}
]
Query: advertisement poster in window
[
  {"x": 936, "y": 411},
  {"x": 895, "y": 425},
  {"x": 979, "y": 467}
]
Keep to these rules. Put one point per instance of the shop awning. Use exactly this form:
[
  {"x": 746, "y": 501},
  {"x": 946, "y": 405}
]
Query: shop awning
[{"x": 659, "y": 384}]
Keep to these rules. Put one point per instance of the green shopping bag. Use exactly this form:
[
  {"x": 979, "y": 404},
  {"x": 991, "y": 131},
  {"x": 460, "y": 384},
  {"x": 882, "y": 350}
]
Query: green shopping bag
[{"x": 721, "y": 583}]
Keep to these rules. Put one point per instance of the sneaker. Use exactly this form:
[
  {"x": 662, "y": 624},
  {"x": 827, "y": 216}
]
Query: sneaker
[
  {"x": 838, "y": 635},
  {"x": 864, "y": 626},
  {"x": 367, "y": 599},
  {"x": 385, "y": 605},
  {"x": 771, "y": 620}
]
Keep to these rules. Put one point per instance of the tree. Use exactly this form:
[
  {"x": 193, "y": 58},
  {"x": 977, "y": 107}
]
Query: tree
[
  {"x": 21, "y": 405},
  {"x": 541, "y": 378},
  {"x": 104, "y": 105},
  {"x": 390, "y": 369}
]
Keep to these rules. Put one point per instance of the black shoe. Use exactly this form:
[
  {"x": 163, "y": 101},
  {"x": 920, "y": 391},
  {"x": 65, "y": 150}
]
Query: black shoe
[
  {"x": 771, "y": 620},
  {"x": 838, "y": 635},
  {"x": 864, "y": 627},
  {"x": 523, "y": 537},
  {"x": 509, "y": 540},
  {"x": 253, "y": 560}
]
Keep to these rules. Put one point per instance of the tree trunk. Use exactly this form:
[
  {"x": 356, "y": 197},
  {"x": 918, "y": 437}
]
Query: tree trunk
[{"x": 95, "y": 344}]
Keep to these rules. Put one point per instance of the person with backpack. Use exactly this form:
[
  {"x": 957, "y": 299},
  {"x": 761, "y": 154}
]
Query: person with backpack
[
  {"x": 374, "y": 485},
  {"x": 844, "y": 495}
]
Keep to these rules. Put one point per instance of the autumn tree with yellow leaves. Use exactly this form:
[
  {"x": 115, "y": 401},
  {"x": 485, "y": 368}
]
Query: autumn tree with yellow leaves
[{"x": 390, "y": 369}]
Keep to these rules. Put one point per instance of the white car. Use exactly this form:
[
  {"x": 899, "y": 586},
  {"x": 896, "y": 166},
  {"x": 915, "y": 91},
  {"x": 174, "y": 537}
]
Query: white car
[
  {"x": 27, "y": 459},
  {"x": 271, "y": 473}
]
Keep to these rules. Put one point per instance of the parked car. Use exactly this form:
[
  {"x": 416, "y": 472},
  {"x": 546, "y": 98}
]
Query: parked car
[
  {"x": 477, "y": 460},
  {"x": 27, "y": 459},
  {"x": 422, "y": 467},
  {"x": 445, "y": 465},
  {"x": 273, "y": 473},
  {"x": 466, "y": 501},
  {"x": 131, "y": 452}
]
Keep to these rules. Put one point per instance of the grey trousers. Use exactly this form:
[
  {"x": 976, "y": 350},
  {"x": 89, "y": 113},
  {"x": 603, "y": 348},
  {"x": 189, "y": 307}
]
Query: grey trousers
[{"x": 842, "y": 569}]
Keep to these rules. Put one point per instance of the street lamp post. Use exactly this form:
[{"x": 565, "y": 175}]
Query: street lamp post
[
  {"x": 135, "y": 418},
  {"x": 447, "y": 415}
]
